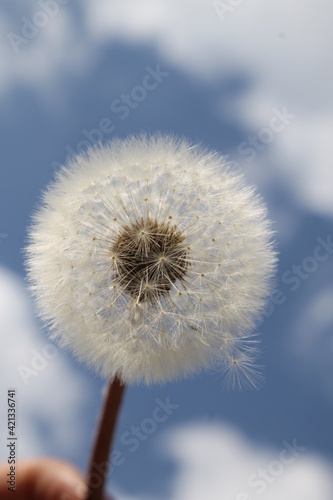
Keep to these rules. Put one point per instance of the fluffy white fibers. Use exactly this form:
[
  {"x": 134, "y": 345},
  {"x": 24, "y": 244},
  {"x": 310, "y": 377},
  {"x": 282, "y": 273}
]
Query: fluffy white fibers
[{"x": 150, "y": 259}]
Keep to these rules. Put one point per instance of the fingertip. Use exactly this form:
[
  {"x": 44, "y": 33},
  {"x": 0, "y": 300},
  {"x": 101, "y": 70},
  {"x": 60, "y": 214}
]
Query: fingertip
[
  {"x": 47, "y": 479},
  {"x": 54, "y": 480}
]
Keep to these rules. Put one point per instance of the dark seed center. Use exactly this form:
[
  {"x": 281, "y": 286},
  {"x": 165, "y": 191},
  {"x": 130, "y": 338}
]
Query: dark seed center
[{"x": 148, "y": 257}]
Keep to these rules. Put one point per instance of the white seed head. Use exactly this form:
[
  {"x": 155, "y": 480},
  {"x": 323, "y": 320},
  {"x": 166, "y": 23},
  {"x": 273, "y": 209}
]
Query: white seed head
[{"x": 150, "y": 259}]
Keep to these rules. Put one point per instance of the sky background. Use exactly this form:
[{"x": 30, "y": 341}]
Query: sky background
[{"x": 251, "y": 79}]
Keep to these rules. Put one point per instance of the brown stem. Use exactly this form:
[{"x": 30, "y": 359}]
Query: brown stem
[{"x": 99, "y": 465}]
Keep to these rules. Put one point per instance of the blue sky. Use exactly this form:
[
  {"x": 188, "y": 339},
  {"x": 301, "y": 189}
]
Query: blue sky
[{"x": 252, "y": 82}]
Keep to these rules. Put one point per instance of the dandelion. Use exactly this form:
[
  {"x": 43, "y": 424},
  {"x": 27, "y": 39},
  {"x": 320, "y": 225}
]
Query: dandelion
[
  {"x": 147, "y": 255},
  {"x": 150, "y": 260}
]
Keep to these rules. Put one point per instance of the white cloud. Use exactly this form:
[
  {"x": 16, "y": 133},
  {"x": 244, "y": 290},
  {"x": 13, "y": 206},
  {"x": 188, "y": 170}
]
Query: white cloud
[
  {"x": 300, "y": 156},
  {"x": 308, "y": 152},
  {"x": 216, "y": 461},
  {"x": 41, "y": 60},
  {"x": 51, "y": 395},
  {"x": 191, "y": 35}
]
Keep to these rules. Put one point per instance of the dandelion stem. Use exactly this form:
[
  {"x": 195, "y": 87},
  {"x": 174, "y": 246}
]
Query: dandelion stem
[{"x": 99, "y": 465}]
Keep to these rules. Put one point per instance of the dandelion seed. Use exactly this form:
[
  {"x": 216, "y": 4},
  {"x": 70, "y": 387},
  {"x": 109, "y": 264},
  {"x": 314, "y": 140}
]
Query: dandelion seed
[{"x": 146, "y": 255}]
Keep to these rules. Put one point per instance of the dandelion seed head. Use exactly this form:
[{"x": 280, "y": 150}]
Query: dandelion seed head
[{"x": 151, "y": 260}]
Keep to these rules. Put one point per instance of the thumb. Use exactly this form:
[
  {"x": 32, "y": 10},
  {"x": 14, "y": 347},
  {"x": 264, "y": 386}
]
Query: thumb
[
  {"x": 46, "y": 479},
  {"x": 55, "y": 480}
]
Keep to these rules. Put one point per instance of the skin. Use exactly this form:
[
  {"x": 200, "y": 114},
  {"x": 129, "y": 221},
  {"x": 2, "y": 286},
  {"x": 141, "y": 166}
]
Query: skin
[{"x": 45, "y": 479}]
